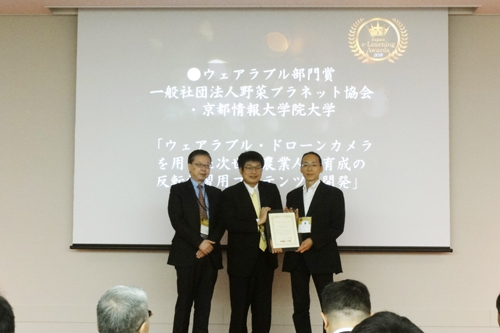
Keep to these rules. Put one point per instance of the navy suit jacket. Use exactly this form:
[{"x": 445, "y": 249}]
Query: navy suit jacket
[
  {"x": 328, "y": 214},
  {"x": 240, "y": 221},
  {"x": 184, "y": 213}
]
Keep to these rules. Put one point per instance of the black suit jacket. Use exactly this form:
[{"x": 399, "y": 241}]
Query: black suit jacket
[
  {"x": 240, "y": 221},
  {"x": 328, "y": 213},
  {"x": 184, "y": 213}
]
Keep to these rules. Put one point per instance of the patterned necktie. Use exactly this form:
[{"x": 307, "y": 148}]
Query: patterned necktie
[
  {"x": 256, "y": 206},
  {"x": 201, "y": 203}
]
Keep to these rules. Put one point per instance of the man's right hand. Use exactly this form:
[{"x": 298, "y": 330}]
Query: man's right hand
[{"x": 205, "y": 248}]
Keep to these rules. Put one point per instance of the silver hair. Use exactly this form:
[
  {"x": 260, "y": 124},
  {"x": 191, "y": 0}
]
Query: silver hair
[{"x": 122, "y": 309}]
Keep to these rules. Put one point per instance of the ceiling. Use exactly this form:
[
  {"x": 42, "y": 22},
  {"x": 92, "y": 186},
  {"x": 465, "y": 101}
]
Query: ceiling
[{"x": 41, "y": 7}]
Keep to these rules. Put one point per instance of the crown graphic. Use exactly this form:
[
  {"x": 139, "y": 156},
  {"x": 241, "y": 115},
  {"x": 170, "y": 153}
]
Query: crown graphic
[{"x": 377, "y": 31}]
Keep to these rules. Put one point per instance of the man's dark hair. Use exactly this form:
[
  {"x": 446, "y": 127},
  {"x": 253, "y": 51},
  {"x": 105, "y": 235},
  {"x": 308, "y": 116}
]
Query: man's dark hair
[
  {"x": 250, "y": 156},
  {"x": 344, "y": 296},
  {"x": 7, "y": 323},
  {"x": 386, "y": 322},
  {"x": 498, "y": 304},
  {"x": 312, "y": 153},
  {"x": 198, "y": 152}
]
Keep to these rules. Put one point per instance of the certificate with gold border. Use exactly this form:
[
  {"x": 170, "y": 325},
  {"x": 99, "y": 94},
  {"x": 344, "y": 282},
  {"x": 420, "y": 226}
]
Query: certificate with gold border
[{"x": 283, "y": 230}]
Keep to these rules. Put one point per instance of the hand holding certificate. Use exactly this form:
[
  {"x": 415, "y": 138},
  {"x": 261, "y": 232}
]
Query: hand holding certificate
[{"x": 283, "y": 230}]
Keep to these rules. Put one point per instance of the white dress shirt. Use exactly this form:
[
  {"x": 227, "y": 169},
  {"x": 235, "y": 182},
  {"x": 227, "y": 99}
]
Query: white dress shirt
[
  {"x": 308, "y": 195},
  {"x": 344, "y": 329}
]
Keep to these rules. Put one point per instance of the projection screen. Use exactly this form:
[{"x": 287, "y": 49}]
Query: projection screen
[{"x": 365, "y": 89}]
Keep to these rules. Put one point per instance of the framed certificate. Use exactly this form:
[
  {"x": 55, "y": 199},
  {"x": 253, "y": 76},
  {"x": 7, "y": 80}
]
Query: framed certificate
[{"x": 283, "y": 231}]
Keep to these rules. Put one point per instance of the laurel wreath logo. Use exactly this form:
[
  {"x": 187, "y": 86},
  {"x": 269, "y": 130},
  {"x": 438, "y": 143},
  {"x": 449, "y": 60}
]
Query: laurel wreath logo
[
  {"x": 403, "y": 41},
  {"x": 353, "y": 41},
  {"x": 394, "y": 55}
]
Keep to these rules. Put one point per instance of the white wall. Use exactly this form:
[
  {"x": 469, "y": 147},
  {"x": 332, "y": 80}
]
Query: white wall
[{"x": 55, "y": 289}]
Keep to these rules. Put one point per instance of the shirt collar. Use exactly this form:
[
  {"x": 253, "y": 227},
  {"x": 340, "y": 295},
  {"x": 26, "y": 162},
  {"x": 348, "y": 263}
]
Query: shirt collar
[
  {"x": 344, "y": 329},
  {"x": 313, "y": 187},
  {"x": 252, "y": 189},
  {"x": 195, "y": 183}
]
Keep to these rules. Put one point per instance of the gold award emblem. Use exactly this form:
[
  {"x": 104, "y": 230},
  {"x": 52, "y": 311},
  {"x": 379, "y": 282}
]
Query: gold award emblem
[{"x": 378, "y": 39}]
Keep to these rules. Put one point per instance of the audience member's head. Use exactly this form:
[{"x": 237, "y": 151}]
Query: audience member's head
[
  {"x": 498, "y": 309},
  {"x": 7, "y": 324},
  {"x": 123, "y": 309},
  {"x": 344, "y": 304},
  {"x": 386, "y": 322}
]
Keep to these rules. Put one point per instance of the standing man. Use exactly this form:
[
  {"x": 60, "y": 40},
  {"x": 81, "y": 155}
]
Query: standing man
[
  {"x": 193, "y": 208},
  {"x": 250, "y": 261},
  {"x": 320, "y": 210}
]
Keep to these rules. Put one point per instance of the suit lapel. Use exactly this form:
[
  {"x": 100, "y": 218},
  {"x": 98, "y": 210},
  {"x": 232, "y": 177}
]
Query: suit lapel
[
  {"x": 299, "y": 199},
  {"x": 192, "y": 199},
  {"x": 301, "y": 202},
  {"x": 208, "y": 193},
  {"x": 316, "y": 198},
  {"x": 262, "y": 194},
  {"x": 246, "y": 200}
]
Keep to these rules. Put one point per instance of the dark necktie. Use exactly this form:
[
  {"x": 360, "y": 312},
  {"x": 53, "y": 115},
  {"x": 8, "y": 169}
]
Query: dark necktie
[{"x": 203, "y": 207}]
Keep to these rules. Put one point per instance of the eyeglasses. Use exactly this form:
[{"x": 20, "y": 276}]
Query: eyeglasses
[
  {"x": 203, "y": 166},
  {"x": 150, "y": 313},
  {"x": 252, "y": 168},
  {"x": 306, "y": 165}
]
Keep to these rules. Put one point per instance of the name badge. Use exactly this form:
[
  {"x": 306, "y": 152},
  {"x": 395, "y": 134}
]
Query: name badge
[
  {"x": 204, "y": 226},
  {"x": 305, "y": 224}
]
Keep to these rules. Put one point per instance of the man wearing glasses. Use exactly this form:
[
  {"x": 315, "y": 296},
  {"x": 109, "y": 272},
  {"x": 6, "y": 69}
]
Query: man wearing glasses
[
  {"x": 193, "y": 208},
  {"x": 250, "y": 260},
  {"x": 320, "y": 212}
]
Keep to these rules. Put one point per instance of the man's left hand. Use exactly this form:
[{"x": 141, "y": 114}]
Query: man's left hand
[{"x": 305, "y": 246}]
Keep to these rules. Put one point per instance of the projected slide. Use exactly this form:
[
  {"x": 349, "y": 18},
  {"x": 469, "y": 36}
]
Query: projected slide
[{"x": 365, "y": 89}]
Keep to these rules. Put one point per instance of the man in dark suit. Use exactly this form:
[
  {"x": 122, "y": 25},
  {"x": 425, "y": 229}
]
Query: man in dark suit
[
  {"x": 320, "y": 210},
  {"x": 194, "y": 208},
  {"x": 250, "y": 261}
]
